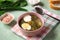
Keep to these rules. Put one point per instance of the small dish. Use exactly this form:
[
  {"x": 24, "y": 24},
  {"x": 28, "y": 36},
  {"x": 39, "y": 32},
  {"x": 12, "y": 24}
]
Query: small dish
[{"x": 7, "y": 18}]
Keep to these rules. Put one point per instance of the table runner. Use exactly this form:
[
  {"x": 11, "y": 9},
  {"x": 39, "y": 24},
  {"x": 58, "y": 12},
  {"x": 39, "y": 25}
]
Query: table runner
[{"x": 50, "y": 22}]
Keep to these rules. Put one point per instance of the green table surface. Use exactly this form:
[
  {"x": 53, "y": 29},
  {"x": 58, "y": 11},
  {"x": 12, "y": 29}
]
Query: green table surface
[{"x": 7, "y": 34}]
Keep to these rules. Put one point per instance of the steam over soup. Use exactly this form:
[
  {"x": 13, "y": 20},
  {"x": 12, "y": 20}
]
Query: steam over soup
[{"x": 30, "y": 22}]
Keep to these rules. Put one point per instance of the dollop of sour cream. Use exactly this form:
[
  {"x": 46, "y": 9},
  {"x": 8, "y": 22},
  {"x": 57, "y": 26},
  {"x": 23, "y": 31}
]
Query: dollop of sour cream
[
  {"x": 26, "y": 26},
  {"x": 33, "y": 1},
  {"x": 27, "y": 18}
]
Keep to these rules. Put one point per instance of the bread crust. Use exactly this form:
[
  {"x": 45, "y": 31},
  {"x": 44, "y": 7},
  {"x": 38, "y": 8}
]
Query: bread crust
[
  {"x": 54, "y": 7},
  {"x": 52, "y": 4}
]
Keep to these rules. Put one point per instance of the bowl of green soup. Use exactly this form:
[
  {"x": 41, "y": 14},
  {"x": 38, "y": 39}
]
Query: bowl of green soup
[{"x": 30, "y": 23}]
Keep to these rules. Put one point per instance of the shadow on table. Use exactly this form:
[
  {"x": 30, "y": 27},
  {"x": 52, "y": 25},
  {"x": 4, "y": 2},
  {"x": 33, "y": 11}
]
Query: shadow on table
[
  {"x": 52, "y": 34},
  {"x": 12, "y": 23},
  {"x": 40, "y": 3}
]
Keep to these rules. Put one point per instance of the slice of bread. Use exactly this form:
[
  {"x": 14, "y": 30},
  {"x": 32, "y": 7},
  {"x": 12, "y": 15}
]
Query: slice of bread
[
  {"x": 53, "y": 0},
  {"x": 55, "y": 4}
]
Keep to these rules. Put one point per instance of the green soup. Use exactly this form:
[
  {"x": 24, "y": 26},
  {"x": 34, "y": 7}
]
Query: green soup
[{"x": 35, "y": 22}]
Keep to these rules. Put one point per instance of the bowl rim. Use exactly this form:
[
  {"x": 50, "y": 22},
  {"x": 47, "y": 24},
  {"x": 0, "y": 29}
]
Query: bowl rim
[{"x": 33, "y": 13}]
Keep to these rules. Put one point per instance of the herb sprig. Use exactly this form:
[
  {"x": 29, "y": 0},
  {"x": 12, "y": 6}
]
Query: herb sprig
[{"x": 10, "y": 5}]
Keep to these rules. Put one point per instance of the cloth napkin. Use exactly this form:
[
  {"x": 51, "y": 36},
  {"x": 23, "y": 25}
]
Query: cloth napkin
[{"x": 50, "y": 23}]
